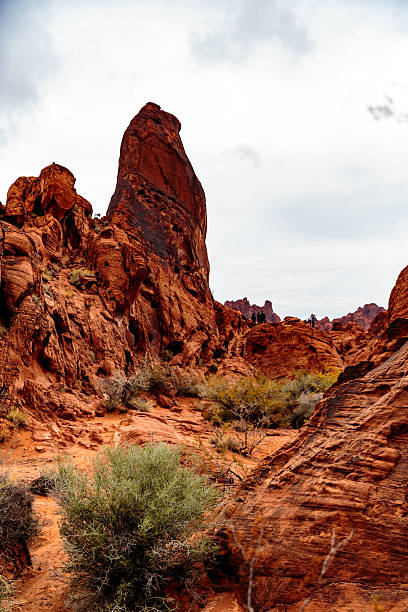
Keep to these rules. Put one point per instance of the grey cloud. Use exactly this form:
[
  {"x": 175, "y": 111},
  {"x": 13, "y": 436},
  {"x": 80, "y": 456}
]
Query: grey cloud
[
  {"x": 388, "y": 110},
  {"x": 246, "y": 152},
  {"x": 27, "y": 58},
  {"x": 252, "y": 22}
]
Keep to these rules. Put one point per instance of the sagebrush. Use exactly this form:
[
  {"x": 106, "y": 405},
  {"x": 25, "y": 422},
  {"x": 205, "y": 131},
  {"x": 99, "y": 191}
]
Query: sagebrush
[{"x": 131, "y": 525}]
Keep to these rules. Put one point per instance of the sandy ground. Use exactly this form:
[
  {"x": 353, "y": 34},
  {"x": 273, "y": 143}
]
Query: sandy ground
[{"x": 42, "y": 587}]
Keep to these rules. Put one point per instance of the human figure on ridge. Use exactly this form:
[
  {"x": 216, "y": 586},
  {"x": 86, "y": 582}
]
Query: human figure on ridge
[
  {"x": 253, "y": 317},
  {"x": 312, "y": 320}
]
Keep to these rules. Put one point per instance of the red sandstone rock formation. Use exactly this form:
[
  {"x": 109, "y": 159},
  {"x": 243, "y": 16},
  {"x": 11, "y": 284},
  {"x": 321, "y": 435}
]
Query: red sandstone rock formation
[
  {"x": 280, "y": 349},
  {"x": 363, "y": 316},
  {"x": 346, "y": 475},
  {"x": 82, "y": 298},
  {"x": 248, "y": 310}
]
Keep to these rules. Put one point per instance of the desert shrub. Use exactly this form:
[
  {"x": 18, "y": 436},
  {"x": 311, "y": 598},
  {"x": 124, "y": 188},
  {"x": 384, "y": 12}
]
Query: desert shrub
[
  {"x": 4, "y": 434},
  {"x": 121, "y": 391},
  {"x": 130, "y": 526},
  {"x": 187, "y": 385},
  {"x": 141, "y": 404},
  {"x": 6, "y": 593},
  {"x": 18, "y": 524},
  {"x": 306, "y": 383},
  {"x": 252, "y": 399},
  {"x": 305, "y": 405},
  {"x": 76, "y": 275},
  {"x": 224, "y": 441},
  {"x": 155, "y": 379},
  {"x": 44, "y": 484},
  {"x": 17, "y": 417}
]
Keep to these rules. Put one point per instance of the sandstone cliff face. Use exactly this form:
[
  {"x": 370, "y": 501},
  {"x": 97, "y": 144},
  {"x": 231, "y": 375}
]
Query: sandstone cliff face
[
  {"x": 158, "y": 219},
  {"x": 82, "y": 298},
  {"x": 248, "y": 309},
  {"x": 345, "y": 474}
]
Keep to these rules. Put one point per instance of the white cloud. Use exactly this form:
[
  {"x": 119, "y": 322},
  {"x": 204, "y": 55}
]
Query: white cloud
[{"x": 305, "y": 191}]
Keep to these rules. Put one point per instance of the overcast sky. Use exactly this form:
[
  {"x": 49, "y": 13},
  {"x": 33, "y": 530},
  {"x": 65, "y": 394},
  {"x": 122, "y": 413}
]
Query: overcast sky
[{"x": 306, "y": 185}]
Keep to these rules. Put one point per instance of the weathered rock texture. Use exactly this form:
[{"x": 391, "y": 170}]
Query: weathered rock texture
[
  {"x": 82, "y": 298},
  {"x": 346, "y": 474},
  {"x": 248, "y": 309},
  {"x": 277, "y": 350}
]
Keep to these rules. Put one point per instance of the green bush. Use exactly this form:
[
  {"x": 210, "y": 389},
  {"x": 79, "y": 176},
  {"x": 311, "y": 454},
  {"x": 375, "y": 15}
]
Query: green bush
[
  {"x": 253, "y": 399},
  {"x": 17, "y": 417},
  {"x": 18, "y": 524},
  {"x": 306, "y": 383},
  {"x": 131, "y": 526},
  {"x": 263, "y": 402}
]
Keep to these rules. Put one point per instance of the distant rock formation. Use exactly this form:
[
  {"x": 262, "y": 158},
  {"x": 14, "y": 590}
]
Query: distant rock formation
[
  {"x": 248, "y": 309},
  {"x": 363, "y": 316}
]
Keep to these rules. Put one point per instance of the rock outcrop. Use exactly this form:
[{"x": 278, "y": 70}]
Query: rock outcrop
[
  {"x": 280, "y": 349},
  {"x": 342, "y": 480},
  {"x": 248, "y": 309},
  {"x": 82, "y": 298},
  {"x": 363, "y": 317}
]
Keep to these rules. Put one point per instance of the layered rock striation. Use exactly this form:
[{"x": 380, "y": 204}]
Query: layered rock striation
[{"x": 342, "y": 480}]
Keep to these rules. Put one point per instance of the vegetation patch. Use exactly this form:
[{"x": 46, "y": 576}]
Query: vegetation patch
[
  {"x": 18, "y": 524},
  {"x": 131, "y": 526},
  {"x": 76, "y": 275},
  {"x": 6, "y": 593},
  {"x": 17, "y": 417}
]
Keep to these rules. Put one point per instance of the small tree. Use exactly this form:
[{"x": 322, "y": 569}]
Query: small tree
[{"x": 130, "y": 527}]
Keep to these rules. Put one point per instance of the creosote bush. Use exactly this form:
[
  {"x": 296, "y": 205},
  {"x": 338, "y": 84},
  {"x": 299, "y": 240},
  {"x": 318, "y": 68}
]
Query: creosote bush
[
  {"x": 256, "y": 399},
  {"x": 130, "y": 527},
  {"x": 18, "y": 524},
  {"x": 267, "y": 403}
]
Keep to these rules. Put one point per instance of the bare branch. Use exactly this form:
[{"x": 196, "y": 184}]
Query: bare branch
[{"x": 334, "y": 548}]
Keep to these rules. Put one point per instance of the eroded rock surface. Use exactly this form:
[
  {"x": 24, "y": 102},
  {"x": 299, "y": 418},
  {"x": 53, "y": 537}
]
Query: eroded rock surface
[
  {"x": 82, "y": 298},
  {"x": 346, "y": 473}
]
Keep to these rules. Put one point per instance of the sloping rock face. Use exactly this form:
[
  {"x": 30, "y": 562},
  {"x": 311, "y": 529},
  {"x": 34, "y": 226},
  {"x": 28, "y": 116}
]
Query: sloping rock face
[
  {"x": 345, "y": 474},
  {"x": 248, "y": 309},
  {"x": 82, "y": 298}
]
